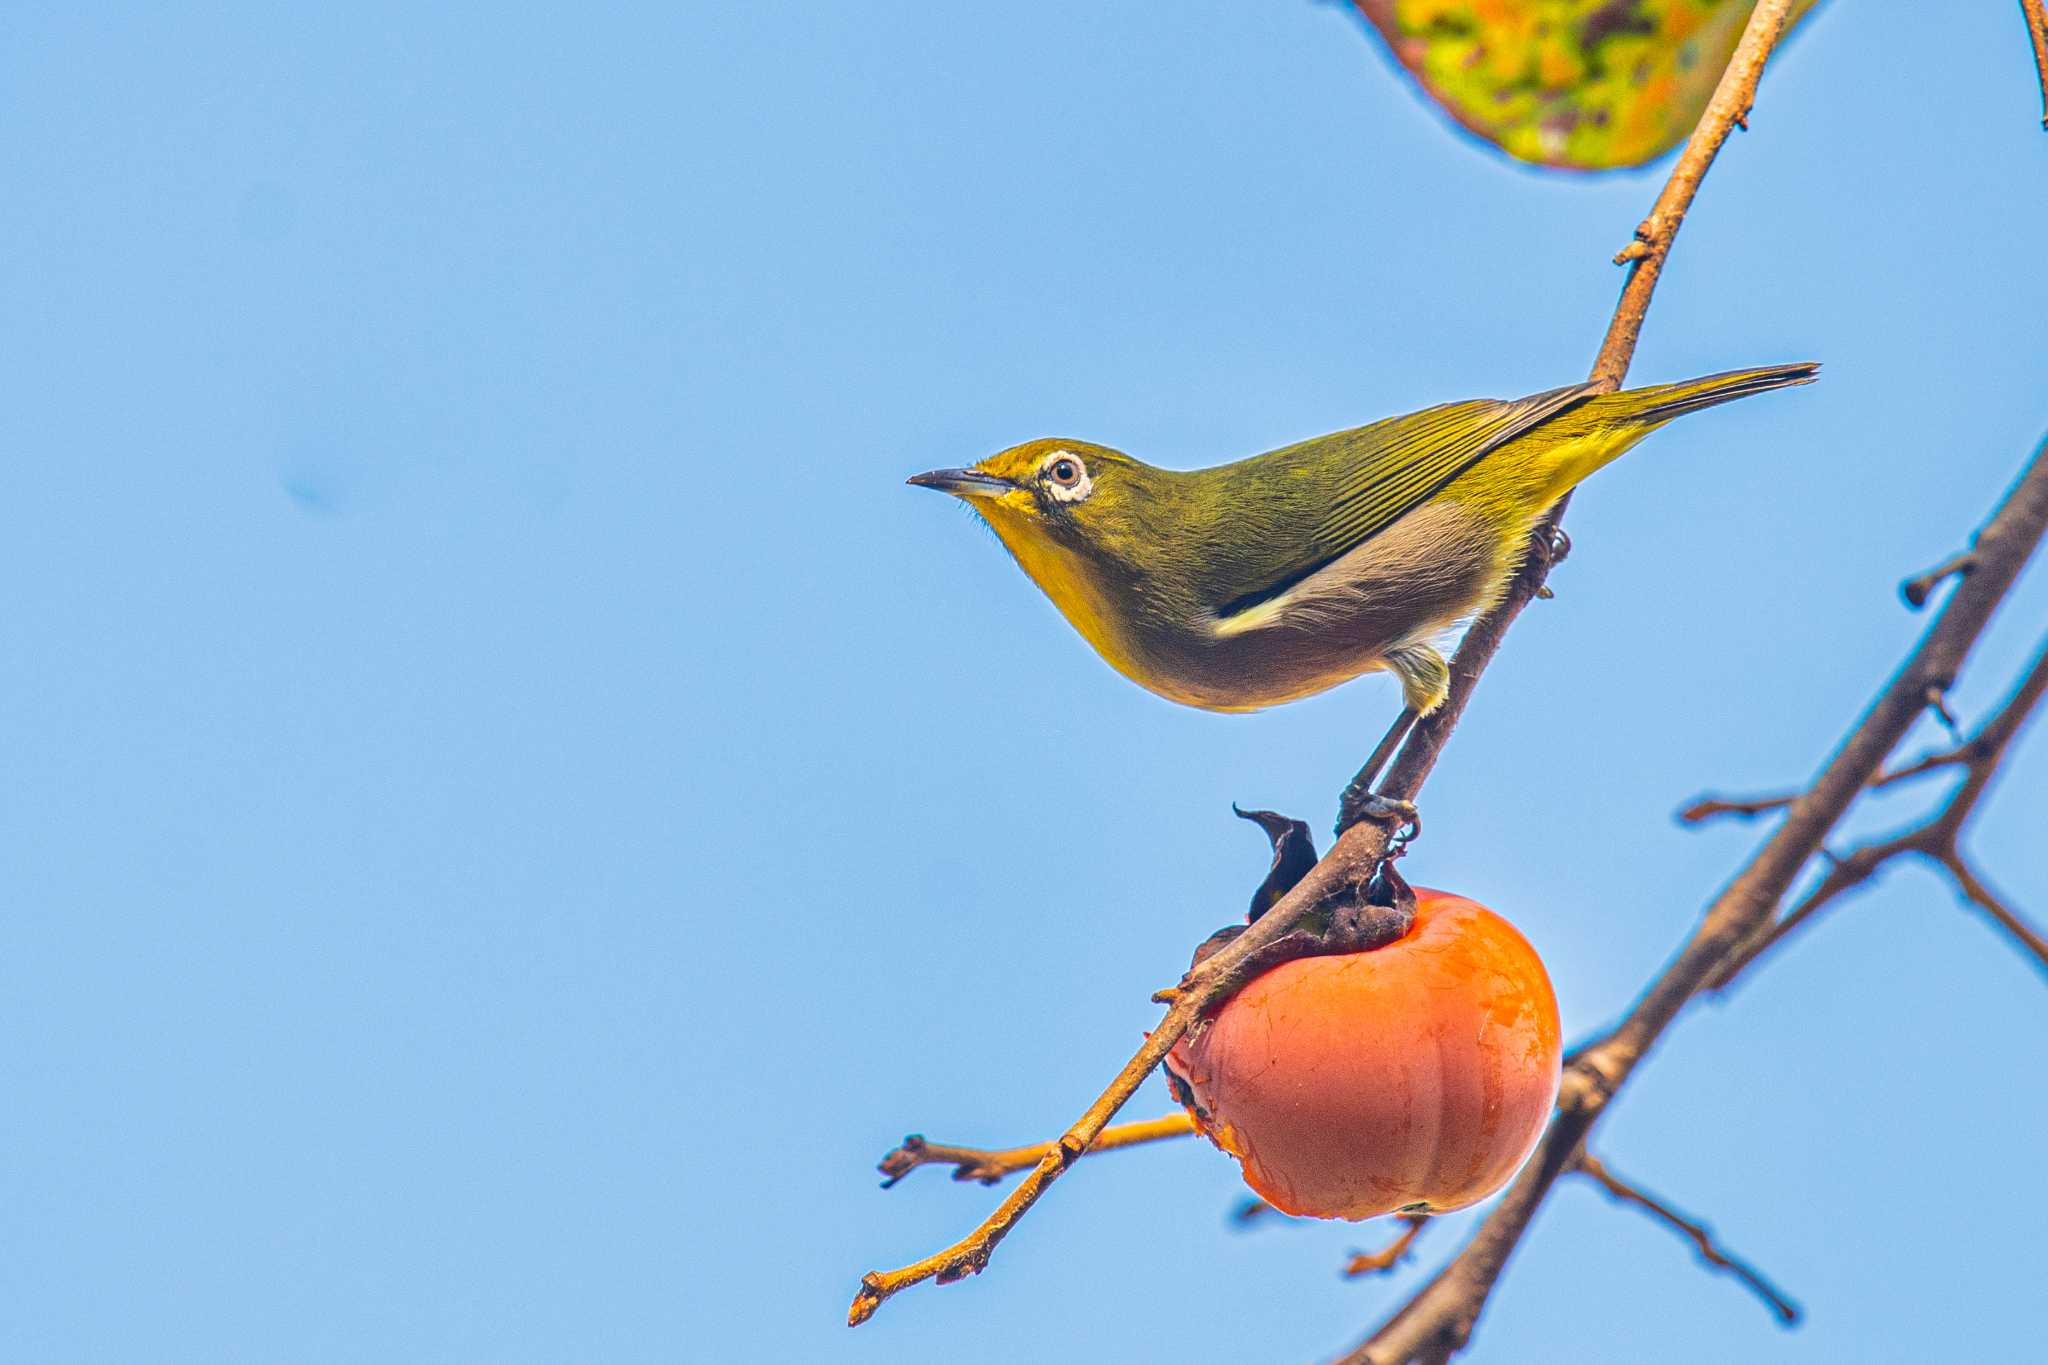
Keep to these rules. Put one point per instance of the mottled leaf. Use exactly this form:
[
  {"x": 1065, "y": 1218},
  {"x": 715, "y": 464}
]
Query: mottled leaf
[{"x": 1584, "y": 84}]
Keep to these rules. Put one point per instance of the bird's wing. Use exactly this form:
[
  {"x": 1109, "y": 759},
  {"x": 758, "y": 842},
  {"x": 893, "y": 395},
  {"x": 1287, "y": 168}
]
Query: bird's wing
[{"x": 1398, "y": 465}]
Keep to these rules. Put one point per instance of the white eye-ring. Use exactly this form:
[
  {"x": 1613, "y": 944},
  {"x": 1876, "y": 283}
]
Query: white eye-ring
[{"x": 1066, "y": 477}]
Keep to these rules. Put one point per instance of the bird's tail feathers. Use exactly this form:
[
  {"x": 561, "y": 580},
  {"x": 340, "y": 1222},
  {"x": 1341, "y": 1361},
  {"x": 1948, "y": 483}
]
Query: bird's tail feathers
[{"x": 1658, "y": 405}]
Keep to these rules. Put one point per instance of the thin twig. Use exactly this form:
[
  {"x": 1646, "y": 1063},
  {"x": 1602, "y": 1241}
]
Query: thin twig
[
  {"x": 1917, "y": 589},
  {"x": 1440, "y": 1318},
  {"x": 1845, "y": 873},
  {"x": 1699, "y": 1234},
  {"x": 1978, "y": 894},
  {"x": 1742, "y": 808},
  {"x": 2037, "y": 30},
  {"x": 1708, "y": 807},
  {"x": 1392, "y": 1254},
  {"x": 1937, "y": 839},
  {"x": 1733, "y": 97},
  {"x": 989, "y": 1165}
]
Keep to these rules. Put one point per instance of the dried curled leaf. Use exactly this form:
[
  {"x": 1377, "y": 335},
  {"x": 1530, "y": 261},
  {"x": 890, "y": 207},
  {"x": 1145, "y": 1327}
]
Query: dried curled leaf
[
  {"x": 1583, "y": 84},
  {"x": 1294, "y": 853}
]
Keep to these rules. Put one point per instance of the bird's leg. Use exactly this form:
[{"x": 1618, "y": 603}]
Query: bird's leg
[
  {"x": 1351, "y": 805},
  {"x": 1425, "y": 684}
]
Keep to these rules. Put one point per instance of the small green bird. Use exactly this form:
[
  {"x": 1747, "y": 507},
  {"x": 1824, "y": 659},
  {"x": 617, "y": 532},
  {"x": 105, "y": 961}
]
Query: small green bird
[{"x": 1276, "y": 577}]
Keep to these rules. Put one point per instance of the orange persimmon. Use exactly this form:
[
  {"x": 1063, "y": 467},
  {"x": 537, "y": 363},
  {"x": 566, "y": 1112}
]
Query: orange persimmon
[{"x": 1414, "y": 1077}]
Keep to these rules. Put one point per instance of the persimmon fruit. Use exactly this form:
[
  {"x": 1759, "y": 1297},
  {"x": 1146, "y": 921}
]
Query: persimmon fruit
[{"x": 1415, "y": 1077}]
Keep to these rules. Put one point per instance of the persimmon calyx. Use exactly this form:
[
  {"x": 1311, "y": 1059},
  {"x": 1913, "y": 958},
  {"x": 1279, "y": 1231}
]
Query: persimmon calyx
[{"x": 1380, "y": 913}]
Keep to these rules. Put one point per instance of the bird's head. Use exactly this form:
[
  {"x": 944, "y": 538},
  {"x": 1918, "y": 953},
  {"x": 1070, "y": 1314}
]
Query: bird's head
[
  {"x": 1084, "y": 521},
  {"x": 1054, "y": 492}
]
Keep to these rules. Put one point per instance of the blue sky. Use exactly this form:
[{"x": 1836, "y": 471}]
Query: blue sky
[{"x": 512, "y": 807}]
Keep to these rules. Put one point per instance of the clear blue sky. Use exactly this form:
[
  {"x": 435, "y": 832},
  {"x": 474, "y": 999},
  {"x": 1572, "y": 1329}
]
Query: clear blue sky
[{"x": 511, "y": 807}]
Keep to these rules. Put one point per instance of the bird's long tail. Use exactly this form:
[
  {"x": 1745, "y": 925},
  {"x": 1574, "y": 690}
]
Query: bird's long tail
[
  {"x": 1654, "y": 406},
  {"x": 1599, "y": 430}
]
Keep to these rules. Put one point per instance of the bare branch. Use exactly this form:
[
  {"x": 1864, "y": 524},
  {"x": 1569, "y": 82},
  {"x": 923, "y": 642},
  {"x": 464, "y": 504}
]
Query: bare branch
[
  {"x": 989, "y": 1165},
  {"x": 1937, "y": 839},
  {"x": 1733, "y": 98},
  {"x": 1392, "y": 1254},
  {"x": 1918, "y": 589},
  {"x": 1978, "y": 894},
  {"x": 1845, "y": 874},
  {"x": 1706, "y": 808},
  {"x": 1709, "y": 807},
  {"x": 2037, "y": 30},
  {"x": 1701, "y": 1236}
]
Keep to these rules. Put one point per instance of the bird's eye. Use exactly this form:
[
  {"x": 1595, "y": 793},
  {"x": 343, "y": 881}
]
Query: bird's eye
[{"x": 1066, "y": 478}]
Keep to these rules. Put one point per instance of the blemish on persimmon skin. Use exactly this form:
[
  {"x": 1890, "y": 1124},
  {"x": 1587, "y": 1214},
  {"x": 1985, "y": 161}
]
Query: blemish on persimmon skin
[{"x": 1356, "y": 1085}]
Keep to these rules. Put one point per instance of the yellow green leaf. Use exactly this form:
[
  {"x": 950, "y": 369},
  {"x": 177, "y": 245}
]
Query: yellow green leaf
[{"x": 1585, "y": 84}]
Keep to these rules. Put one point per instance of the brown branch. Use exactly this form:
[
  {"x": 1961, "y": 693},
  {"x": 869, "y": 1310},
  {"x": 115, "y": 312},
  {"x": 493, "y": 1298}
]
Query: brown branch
[
  {"x": 1919, "y": 588},
  {"x": 1392, "y": 1254},
  {"x": 1708, "y": 807},
  {"x": 988, "y": 1165},
  {"x": 1369, "y": 825},
  {"x": 1440, "y": 1318},
  {"x": 1701, "y": 1236},
  {"x": 1844, "y": 875},
  {"x": 1978, "y": 894},
  {"x": 2037, "y": 30},
  {"x": 1937, "y": 839},
  {"x": 1742, "y": 808},
  {"x": 1733, "y": 98}
]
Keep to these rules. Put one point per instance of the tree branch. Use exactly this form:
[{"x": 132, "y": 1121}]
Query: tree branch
[
  {"x": 1701, "y": 1236},
  {"x": 2037, "y": 30},
  {"x": 1392, "y": 1254},
  {"x": 989, "y": 1165},
  {"x": 1917, "y": 589},
  {"x": 1708, "y": 807},
  {"x": 1937, "y": 839},
  {"x": 1978, "y": 894}
]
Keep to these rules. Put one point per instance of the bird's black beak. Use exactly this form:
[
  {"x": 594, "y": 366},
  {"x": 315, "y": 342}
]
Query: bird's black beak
[{"x": 964, "y": 483}]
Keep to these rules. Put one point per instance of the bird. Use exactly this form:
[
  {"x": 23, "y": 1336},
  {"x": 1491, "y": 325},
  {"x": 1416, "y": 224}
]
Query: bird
[{"x": 1257, "y": 583}]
